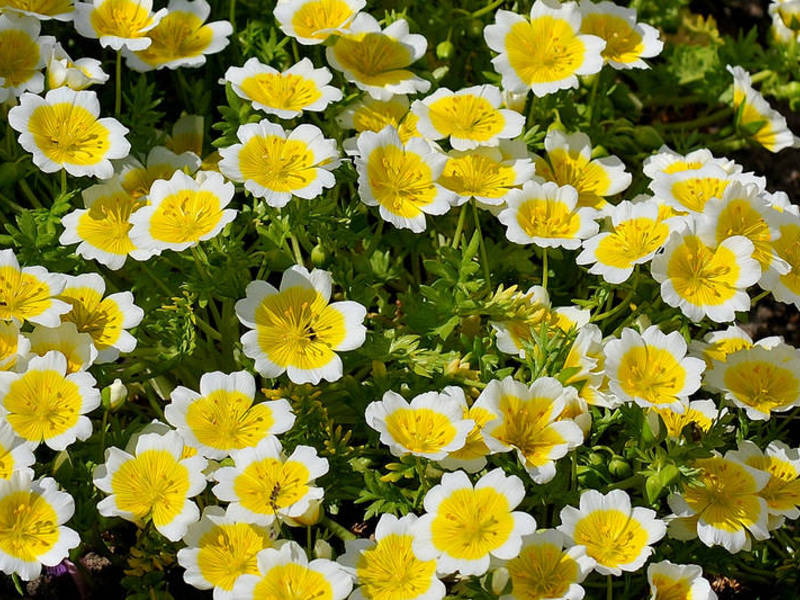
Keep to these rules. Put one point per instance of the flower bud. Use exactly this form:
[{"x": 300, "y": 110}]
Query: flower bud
[
  {"x": 323, "y": 549},
  {"x": 445, "y": 50},
  {"x": 500, "y": 578}
]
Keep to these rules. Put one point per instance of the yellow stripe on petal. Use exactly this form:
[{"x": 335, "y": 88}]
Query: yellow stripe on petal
[
  {"x": 631, "y": 241},
  {"x": 391, "y": 571},
  {"x": 542, "y": 571},
  {"x": 540, "y": 217},
  {"x": 22, "y": 295},
  {"x": 374, "y": 59},
  {"x": 466, "y": 116},
  {"x": 51, "y": 8},
  {"x": 106, "y": 224},
  {"x": 226, "y": 420},
  {"x": 477, "y": 175},
  {"x": 694, "y": 193},
  {"x": 623, "y": 43},
  {"x": 185, "y": 216},
  {"x": 228, "y": 551},
  {"x": 100, "y": 318}
]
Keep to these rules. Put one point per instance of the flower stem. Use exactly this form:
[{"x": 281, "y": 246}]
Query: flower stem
[
  {"x": 63, "y": 181},
  {"x": 337, "y": 530},
  {"x": 714, "y": 117},
  {"x": 760, "y": 296},
  {"x": 609, "y": 588},
  {"x": 593, "y": 97},
  {"x": 298, "y": 255},
  {"x": 118, "y": 96},
  {"x": 484, "y": 256},
  {"x": 459, "y": 226},
  {"x": 198, "y": 261},
  {"x": 487, "y": 9},
  {"x": 545, "y": 268}
]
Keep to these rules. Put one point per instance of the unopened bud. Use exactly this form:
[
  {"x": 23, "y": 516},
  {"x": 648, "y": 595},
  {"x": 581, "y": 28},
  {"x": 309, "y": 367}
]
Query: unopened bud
[
  {"x": 500, "y": 578},
  {"x": 322, "y": 549}
]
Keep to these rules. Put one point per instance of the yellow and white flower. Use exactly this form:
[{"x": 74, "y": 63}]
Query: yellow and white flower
[
  {"x": 75, "y": 346},
  {"x": 569, "y": 162},
  {"x": 717, "y": 345},
  {"x": 23, "y": 53},
  {"x": 639, "y": 232},
  {"x": 286, "y": 573},
  {"x": 668, "y": 162},
  {"x": 547, "y": 215},
  {"x": 376, "y": 60},
  {"x": 182, "y": 212},
  {"x": 16, "y": 455},
  {"x": 154, "y": 483},
  {"x": 468, "y": 118},
  {"x": 545, "y": 570},
  {"x": 652, "y": 369},
  {"x": 529, "y": 421},
  {"x": 471, "y": 457},
  {"x": 276, "y": 165},
  {"x": 703, "y": 278},
  {"x": 465, "y": 525},
  {"x": 284, "y": 94},
  {"x": 32, "y": 530},
  {"x": 29, "y": 293},
  {"x": 14, "y": 346},
  {"x": 187, "y": 135},
  {"x": 297, "y": 329},
  {"x": 759, "y": 380},
  {"x": 698, "y": 413},
  {"x": 222, "y": 417},
  {"x": 774, "y": 134},
  {"x": 782, "y": 491},
  {"x": 182, "y": 38},
  {"x": 106, "y": 320},
  {"x": 431, "y": 426},
  {"x": 312, "y": 22},
  {"x": 786, "y": 287},
  {"x": 486, "y": 174},
  {"x": 118, "y": 23},
  {"x": 63, "y": 131},
  {"x": 368, "y": 114},
  {"x": 690, "y": 190},
  {"x": 387, "y": 567},
  {"x": 161, "y": 163},
  {"x": 669, "y": 581},
  {"x": 546, "y": 53},
  {"x": 220, "y": 549},
  {"x": 264, "y": 484},
  {"x": 102, "y": 229},
  {"x": 77, "y": 75},
  {"x": 785, "y": 16},
  {"x": 616, "y": 535},
  {"x": 401, "y": 179},
  {"x": 46, "y": 405},
  {"x": 725, "y": 501},
  {"x": 627, "y": 42},
  {"x": 44, "y": 10}
]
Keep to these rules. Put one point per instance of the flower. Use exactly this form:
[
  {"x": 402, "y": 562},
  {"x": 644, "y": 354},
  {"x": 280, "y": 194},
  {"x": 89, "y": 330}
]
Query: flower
[
  {"x": 23, "y": 53},
  {"x": 312, "y": 22},
  {"x": 286, "y": 573},
  {"x": 639, "y": 232},
  {"x": 486, "y": 174},
  {"x": 652, "y": 369},
  {"x": 60, "y": 10},
  {"x": 544, "y": 570},
  {"x": 45, "y": 404},
  {"x": 703, "y": 278},
  {"x": 431, "y": 425},
  {"x": 220, "y": 549},
  {"x": 264, "y": 485},
  {"x": 786, "y": 287},
  {"x": 155, "y": 482},
  {"x": 118, "y": 23},
  {"x": 387, "y": 566},
  {"x": 528, "y": 420},
  {"x": 277, "y": 166},
  {"x": 376, "y": 60},
  {"x": 187, "y": 135},
  {"x": 77, "y": 75},
  {"x": 297, "y": 329},
  {"x": 725, "y": 501},
  {"x": 669, "y": 581},
  {"x": 464, "y": 524},
  {"x": 760, "y": 380},
  {"x": 16, "y": 455},
  {"x": 106, "y": 320},
  {"x": 717, "y": 345},
  {"x": 546, "y": 53},
  {"x": 668, "y": 162},
  {"x": 102, "y": 229},
  {"x": 284, "y": 94},
  {"x": 13, "y": 345},
  {"x": 222, "y": 417},
  {"x": 62, "y": 131},
  {"x": 617, "y": 536},
  {"x": 32, "y": 531},
  {"x": 699, "y": 413},
  {"x": 547, "y": 215},
  {"x": 369, "y": 114},
  {"x": 782, "y": 492},
  {"x": 401, "y": 178},
  {"x": 161, "y": 163},
  {"x": 182, "y": 38},
  {"x": 764, "y": 124},
  {"x": 569, "y": 162},
  {"x": 469, "y": 118},
  {"x": 471, "y": 457},
  {"x": 182, "y": 212},
  {"x": 627, "y": 42},
  {"x": 689, "y": 190},
  {"x": 77, "y": 347},
  {"x": 30, "y": 293}
]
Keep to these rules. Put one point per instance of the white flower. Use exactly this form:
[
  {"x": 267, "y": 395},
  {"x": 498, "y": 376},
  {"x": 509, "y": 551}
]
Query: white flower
[
  {"x": 23, "y": 53},
  {"x": 118, "y": 23},
  {"x": 312, "y": 22},
  {"x": 78, "y": 74},
  {"x": 680, "y": 582}
]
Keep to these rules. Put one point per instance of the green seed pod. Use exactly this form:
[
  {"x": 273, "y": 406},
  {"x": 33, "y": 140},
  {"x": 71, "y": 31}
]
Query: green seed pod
[
  {"x": 619, "y": 468},
  {"x": 318, "y": 255},
  {"x": 475, "y": 28},
  {"x": 596, "y": 459},
  {"x": 445, "y": 50}
]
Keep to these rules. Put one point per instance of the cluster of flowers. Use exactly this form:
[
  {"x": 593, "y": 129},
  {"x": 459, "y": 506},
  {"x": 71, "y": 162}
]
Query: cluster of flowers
[{"x": 709, "y": 231}]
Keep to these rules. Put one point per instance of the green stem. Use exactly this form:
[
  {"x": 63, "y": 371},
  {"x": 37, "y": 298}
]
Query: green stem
[
  {"x": 63, "y": 182},
  {"x": 208, "y": 329},
  {"x": 609, "y": 588},
  {"x": 336, "y": 529},
  {"x": 714, "y": 117},
  {"x": 545, "y": 268},
  {"x": 593, "y": 97},
  {"x": 232, "y": 15},
  {"x": 103, "y": 426},
  {"x": 487, "y": 9},
  {"x": 459, "y": 226},
  {"x": 308, "y": 540},
  {"x": 26, "y": 189},
  {"x": 298, "y": 255},
  {"x": 376, "y": 237},
  {"x": 161, "y": 285},
  {"x": 118, "y": 96},
  {"x": 484, "y": 256},
  {"x": 760, "y": 296},
  {"x": 198, "y": 261},
  {"x": 625, "y": 302}
]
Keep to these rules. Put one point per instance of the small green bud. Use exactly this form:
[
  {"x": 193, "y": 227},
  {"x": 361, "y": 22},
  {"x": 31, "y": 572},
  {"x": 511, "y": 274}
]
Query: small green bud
[
  {"x": 647, "y": 137},
  {"x": 596, "y": 459},
  {"x": 619, "y": 468},
  {"x": 471, "y": 325},
  {"x": 445, "y": 50},
  {"x": 318, "y": 255}
]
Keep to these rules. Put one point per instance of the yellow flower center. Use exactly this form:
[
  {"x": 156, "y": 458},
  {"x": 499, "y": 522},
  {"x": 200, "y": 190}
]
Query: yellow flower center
[
  {"x": 121, "y": 18},
  {"x": 137, "y": 182},
  {"x": 667, "y": 588},
  {"x": 623, "y": 43},
  {"x": 22, "y": 295},
  {"x": 401, "y": 181},
  {"x": 178, "y": 35},
  {"x": 544, "y": 50},
  {"x": 6, "y": 463},
  {"x": 474, "y": 447},
  {"x": 525, "y": 425},
  {"x": 477, "y": 175},
  {"x": 782, "y": 491},
  {"x": 185, "y": 216},
  {"x": 762, "y": 384},
  {"x": 50, "y": 8},
  {"x": 787, "y": 246},
  {"x": 314, "y": 18},
  {"x": 9, "y": 340},
  {"x": 612, "y": 537},
  {"x": 100, "y": 318},
  {"x": 69, "y": 134},
  {"x": 466, "y": 116},
  {"x": 701, "y": 275},
  {"x": 374, "y": 116},
  {"x": 293, "y": 582},
  {"x": 391, "y": 571},
  {"x": 420, "y": 430},
  {"x": 652, "y": 374},
  {"x": 471, "y": 523},
  {"x": 542, "y": 571},
  {"x": 277, "y": 164},
  {"x": 227, "y": 420},
  {"x": 374, "y": 58},
  {"x": 19, "y": 56},
  {"x": 676, "y": 422},
  {"x": 269, "y": 485},
  {"x": 152, "y": 484},
  {"x": 631, "y": 241},
  {"x": 740, "y": 218},
  {"x": 28, "y": 526},
  {"x": 682, "y": 165},
  {"x": 540, "y": 217},
  {"x": 228, "y": 551},
  {"x": 693, "y": 193},
  {"x": 105, "y": 225},
  {"x": 284, "y": 92}
]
